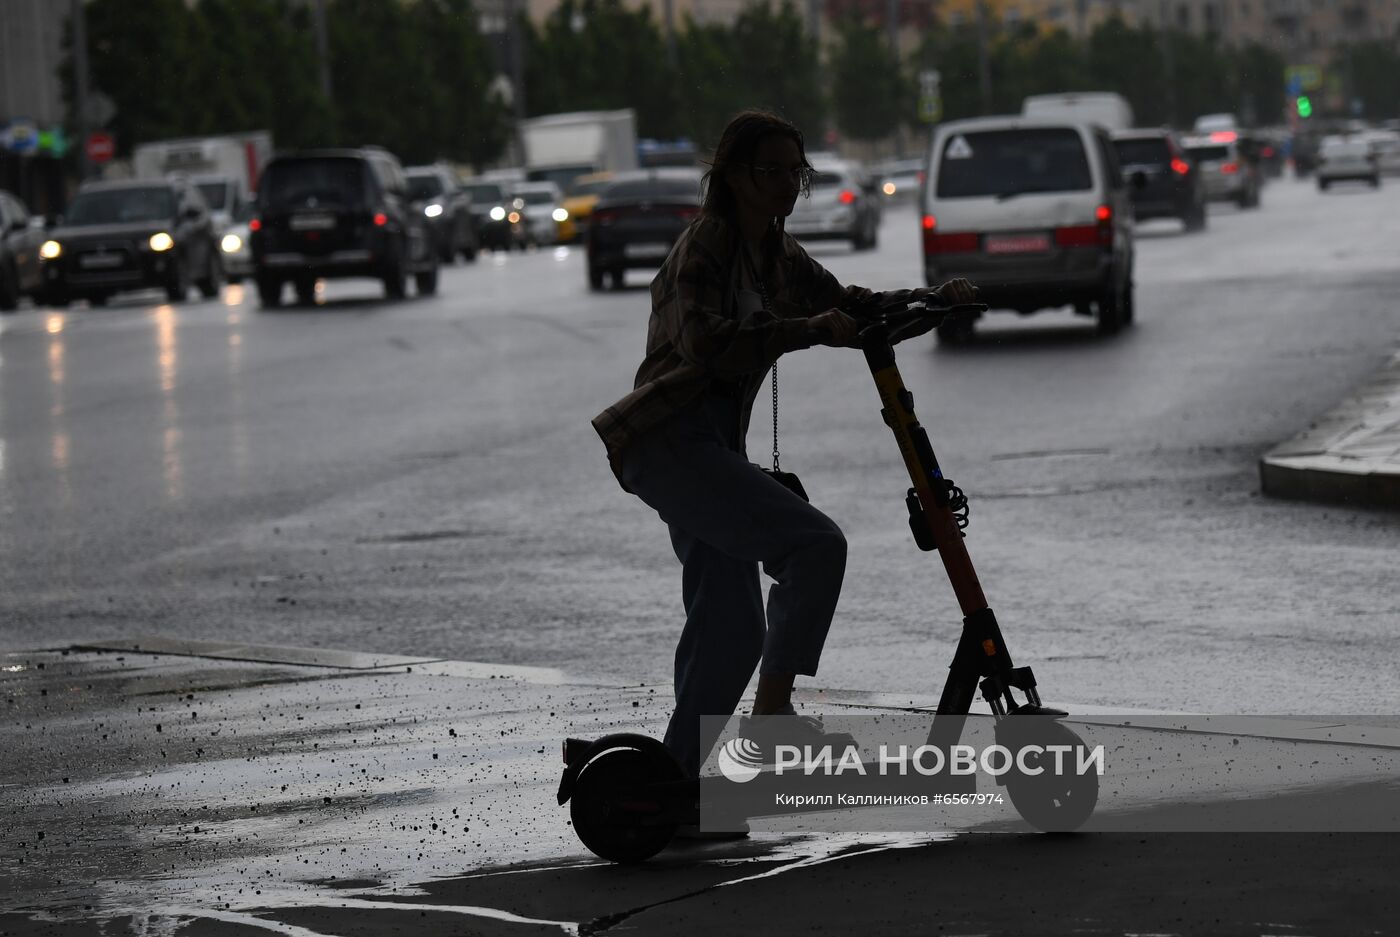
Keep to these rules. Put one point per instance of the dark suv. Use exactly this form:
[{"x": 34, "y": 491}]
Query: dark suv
[
  {"x": 436, "y": 192},
  {"x": 338, "y": 213},
  {"x": 1163, "y": 180},
  {"x": 131, "y": 235}
]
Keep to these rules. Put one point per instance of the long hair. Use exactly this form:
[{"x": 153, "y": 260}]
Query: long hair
[{"x": 736, "y": 147}]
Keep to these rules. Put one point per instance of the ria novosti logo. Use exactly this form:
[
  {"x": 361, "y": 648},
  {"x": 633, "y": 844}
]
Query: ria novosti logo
[{"x": 740, "y": 760}]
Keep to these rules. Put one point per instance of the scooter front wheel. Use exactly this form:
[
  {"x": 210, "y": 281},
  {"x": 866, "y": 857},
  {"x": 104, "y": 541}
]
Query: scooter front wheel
[
  {"x": 617, "y": 808},
  {"x": 1052, "y": 801}
]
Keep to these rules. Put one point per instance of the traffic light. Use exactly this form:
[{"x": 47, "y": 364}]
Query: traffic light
[{"x": 1304, "y": 106}]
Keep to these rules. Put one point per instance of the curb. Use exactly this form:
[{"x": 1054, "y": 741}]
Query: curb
[{"x": 1351, "y": 456}]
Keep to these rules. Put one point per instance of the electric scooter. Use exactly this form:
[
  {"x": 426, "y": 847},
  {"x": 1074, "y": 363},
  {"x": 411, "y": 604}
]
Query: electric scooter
[{"x": 627, "y": 793}]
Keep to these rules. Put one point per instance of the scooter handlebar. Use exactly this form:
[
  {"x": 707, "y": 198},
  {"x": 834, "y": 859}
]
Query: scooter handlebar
[{"x": 909, "y": 320}]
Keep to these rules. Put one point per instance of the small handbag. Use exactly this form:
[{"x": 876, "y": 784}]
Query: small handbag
[{"x": 788, "y": 480}]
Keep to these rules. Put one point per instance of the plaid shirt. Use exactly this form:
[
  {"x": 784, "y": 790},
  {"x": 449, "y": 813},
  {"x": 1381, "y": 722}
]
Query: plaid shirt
[{"x": 695, "y": 336}]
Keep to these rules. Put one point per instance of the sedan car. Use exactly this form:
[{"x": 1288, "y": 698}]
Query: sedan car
[
  {"x": 637, "y": 221},
  {"x": 20, "y": 240},
  {"x": 236, "y": 246},
  {"x": 131, "y": 235},
  {"x": 499, "y": 225},
  {"x": 1385, "y": 145},
  {"x": 1342, "y": 159},
  {"x": 435, "y": 191},
  {"x": 579, "y": 199},
  {"x": 539, "y": 202},
  {"x": 1229, "y": 174},
  {"x": 840, "y": 206},
  {"x": 1164, "y": 182},
  {"x": 901, "y": 180}
]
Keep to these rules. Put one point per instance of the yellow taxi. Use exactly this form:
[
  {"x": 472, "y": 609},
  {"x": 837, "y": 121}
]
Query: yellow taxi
[{"x": 579, "y": 198}]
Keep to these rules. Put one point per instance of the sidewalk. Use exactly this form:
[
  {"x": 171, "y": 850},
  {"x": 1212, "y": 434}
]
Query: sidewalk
[
  {"x": 156, "y": 787},
  {"x": 1352, "y": 455}
]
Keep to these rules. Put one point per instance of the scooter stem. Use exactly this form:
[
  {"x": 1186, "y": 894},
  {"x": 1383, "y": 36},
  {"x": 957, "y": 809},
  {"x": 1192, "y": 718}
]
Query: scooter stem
[{"x": 924, "y": 472}]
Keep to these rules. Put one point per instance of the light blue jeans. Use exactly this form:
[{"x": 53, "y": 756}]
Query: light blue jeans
[{"x": 726, "y": 519}]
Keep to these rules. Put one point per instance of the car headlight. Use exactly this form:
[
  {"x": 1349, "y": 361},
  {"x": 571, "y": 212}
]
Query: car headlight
[
  {"x": 160, "y": 241},
  {"x": 498, "y": 213},
  {"x": 231, "y": 243},
  {"x": 561, "y": 215},
  {"x": 50, "y": 250},
  {"x": 432, "y": 209},
  {"x": 890, "y": 188},
  {"x": 513, "y": 217}
]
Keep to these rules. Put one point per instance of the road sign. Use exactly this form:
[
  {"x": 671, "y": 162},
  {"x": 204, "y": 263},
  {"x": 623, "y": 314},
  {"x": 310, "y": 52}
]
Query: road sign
[
  {"x": 1302, "y": 78},
  {"x": 930, "y": 97},
  {"x": 100, "y": 147},
  {"x": 20, "y": 136}
]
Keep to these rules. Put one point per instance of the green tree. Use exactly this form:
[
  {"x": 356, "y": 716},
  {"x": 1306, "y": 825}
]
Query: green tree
[
  {"x": 597, "y": 54},
  {"x": 775, "y": 65},
  {"x": 1370, "y": 71},
  {"x": 1130, "y": 62},
  {"x": 706, "y": 86},
  {"x": 383, "y": 90},
  {"x": 1030, "y": 63},
  {"x": 472, "y": 122},
  {"x": 140, "y": 55},
  {"x": 1257, "y": 84},
  {"x": 953, "y": 53},
  {"x": 1202, "y": 78},
  {"x": 259, "y": 71},
  {"x": 870, "y": 93}
]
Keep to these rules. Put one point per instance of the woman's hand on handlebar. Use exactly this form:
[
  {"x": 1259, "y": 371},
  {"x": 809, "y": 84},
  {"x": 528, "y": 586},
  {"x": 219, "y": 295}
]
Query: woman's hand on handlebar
[
  {"x": 955, "y": 292},
  {"x": 835, "y": 328}
]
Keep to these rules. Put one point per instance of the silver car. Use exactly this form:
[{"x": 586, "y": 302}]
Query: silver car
[
  {"x": 1035, "y": 213},
  {"x": 841, "y": 206},
  {"x": 538, "y": 203},
  {"x": 1342, "y": 159},
  {"x": 237, "y": 253},
  {"x": 1228, "y": 172}
]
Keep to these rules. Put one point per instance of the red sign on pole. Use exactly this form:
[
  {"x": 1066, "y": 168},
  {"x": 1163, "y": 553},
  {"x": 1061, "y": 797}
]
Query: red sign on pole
[{"x": 100, "y": 147}]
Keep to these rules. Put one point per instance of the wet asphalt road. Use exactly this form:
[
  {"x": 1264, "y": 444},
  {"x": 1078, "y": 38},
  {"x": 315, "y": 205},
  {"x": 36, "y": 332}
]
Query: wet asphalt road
[
  {"x": 420, "y": 478},
  {"x": 150, "y": 794}
]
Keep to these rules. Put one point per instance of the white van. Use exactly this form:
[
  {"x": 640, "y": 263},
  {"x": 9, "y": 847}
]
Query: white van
[
  {"x": 1108, "y": 110},
  {"x": 1035, "y": 213}
]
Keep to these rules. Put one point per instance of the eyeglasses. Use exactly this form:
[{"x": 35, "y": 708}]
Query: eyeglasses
[{"x": 800, "y": 176}]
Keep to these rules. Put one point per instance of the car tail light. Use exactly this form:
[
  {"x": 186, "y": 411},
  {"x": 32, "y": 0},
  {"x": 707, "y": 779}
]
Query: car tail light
[
  {"x": 1103, "y": 214},
  {"x": 380, "y": 219},
  {"x": 1230, "y": 169},
  {"x": 846, "y": 197},
  {"x": 930, "y": 222},
  {"x": 254, "y": 224},
  {"x": 1180, "y": 166},
  {"x": 604, "y": 216},
  {"x": 1267, "y": 152},
  {"x": 686, "y": 211},
  {"x": 1224, "y": 136}
]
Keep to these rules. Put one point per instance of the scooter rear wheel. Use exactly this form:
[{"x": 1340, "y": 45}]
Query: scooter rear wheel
[
  {"x": 1050, "y": 802},
  {"x": 613, "y": 811}
]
